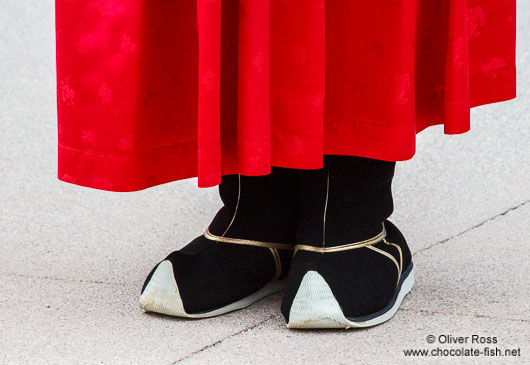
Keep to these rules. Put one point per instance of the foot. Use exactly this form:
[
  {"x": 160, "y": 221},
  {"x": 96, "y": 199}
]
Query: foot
[
  {"x": 209, "y": 277},
  {"x": 344, "y": 286},
  {"x": 243, "y": 256}
]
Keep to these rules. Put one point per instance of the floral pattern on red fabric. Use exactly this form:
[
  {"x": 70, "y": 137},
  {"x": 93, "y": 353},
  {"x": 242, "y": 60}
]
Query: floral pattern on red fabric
[{"x": 150, "y": 92}]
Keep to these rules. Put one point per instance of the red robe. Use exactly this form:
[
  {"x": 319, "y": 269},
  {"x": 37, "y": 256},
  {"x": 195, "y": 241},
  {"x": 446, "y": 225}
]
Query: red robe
[{"x": 155, "y": 91}]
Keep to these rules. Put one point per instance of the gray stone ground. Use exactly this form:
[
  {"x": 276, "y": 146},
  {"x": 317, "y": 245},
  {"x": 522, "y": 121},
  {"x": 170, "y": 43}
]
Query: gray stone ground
[{"x": 72, "y": 259}]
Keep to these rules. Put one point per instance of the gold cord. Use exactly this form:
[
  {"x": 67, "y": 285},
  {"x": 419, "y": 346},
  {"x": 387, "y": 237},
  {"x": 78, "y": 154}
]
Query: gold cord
[
  {"x": 240, "y": 241},
  {"x": 237, "y": 205},
  {"x": 355, "y": 245}
]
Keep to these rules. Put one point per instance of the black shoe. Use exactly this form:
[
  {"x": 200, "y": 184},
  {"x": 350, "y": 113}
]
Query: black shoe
[
  {"x": 351, "y": 266},
  {"x": 244, "y": 255}
]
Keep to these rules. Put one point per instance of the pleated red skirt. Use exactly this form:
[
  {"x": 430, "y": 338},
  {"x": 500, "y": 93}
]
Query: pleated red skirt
[{"x": 155, "y": 91}]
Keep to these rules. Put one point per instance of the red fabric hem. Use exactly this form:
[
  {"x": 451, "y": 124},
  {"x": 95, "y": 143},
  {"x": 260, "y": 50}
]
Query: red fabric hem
[
  {"x": 256, "y": 84},
  {"x": 137, "y": 171},
  {"x": 127, "y": 172}
]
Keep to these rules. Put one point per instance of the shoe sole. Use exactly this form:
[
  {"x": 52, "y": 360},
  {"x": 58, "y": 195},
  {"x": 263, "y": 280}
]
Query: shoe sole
[
  {"x": 314, "y": 305},
  {"x": 162, "y": 295}
]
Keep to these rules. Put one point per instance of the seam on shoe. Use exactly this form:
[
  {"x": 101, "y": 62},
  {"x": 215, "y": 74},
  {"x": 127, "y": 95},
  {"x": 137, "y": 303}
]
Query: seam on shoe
[
  {"x": 237, "y": 205},
  {"x": 400, "y": 254},
  {"x": 368, "y": 243},
  {"x": 382, "y": 252},
  {"x": 349, "y": 246},
  {"x": 277, "y": 263},
  {"x": 241, "y": 241},
  {"x": 325, "y": 213}
]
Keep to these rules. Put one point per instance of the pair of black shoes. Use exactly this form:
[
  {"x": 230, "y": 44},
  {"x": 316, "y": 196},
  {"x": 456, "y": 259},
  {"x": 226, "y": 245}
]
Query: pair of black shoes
[{"x": 322, "y": 235}]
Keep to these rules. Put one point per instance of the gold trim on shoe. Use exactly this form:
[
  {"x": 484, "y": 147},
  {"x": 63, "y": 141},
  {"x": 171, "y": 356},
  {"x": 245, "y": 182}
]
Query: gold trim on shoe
[
  {"x": 355, "y": 245},
  {"x": 349, "y": 246},
  {"x": 325, "y": 213},
  {"x": 273, "y": 247},
  {"x": 240, "y": 241},
  {"x": 237, "y": 205},
  {"x": 390, "y": 257},
  {"x": 400, "y": 254},
  {"x": 277, "y": 262}
]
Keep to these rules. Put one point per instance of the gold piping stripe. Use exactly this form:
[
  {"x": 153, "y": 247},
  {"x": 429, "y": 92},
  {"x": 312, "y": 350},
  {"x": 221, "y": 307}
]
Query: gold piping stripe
[
  {"x": 400, "y": 255},
  {"x": 239, "y": 241},
  {"x": 277, "y": 263},
  {"x": 237, "y": 205},
  {"x": 366, "y": 243},
  {"x": 325, "y": 213},
  {"x": 389, "y": 256},
  {"x": 349, "y": 246}
]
